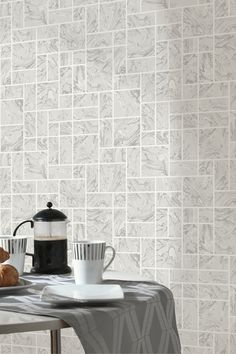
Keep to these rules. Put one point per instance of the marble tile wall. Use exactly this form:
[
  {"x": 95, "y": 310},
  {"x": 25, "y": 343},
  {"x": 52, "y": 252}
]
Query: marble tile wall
[{"x": 123, "y": 114}]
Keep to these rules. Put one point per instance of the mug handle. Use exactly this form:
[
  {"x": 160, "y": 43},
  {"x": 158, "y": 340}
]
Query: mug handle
[
  {"x": 31, "y": 255},
  {"x": 112, "y": 257}
]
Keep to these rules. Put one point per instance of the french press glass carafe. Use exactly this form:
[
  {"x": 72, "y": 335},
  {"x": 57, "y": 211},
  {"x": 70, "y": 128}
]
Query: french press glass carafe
[{"x": 50, "y": 241}]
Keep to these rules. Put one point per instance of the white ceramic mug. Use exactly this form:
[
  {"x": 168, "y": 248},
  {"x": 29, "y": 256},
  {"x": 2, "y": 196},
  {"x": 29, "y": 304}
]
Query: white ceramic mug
[
  {"x": 16, "y": 247},
  {"x": 88, "y": 261}
]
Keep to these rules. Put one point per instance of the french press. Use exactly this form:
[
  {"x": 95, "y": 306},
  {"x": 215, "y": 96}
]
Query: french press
[{"x": 50, "y": 241}]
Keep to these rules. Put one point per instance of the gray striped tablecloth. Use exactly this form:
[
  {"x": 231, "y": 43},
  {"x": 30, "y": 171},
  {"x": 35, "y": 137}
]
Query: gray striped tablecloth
[{"x": 144, "y": 322}]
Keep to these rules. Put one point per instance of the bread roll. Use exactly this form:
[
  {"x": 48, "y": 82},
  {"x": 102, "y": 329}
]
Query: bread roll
[
  {"x": 9, "y": 276},
  {"x": 4, "y": 255}
]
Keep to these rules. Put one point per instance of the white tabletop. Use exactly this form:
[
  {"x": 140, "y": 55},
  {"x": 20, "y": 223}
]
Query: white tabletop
[{"x": 12, "y": 322}]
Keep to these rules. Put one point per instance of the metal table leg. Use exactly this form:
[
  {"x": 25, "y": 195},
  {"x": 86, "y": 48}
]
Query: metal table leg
[{"x": 55, "y": 341}]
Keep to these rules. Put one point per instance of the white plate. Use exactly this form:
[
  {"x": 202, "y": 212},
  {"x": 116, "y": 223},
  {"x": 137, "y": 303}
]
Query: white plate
[
  {"x": 23, "y": 284},
  {"x": 82, "y": 293}
]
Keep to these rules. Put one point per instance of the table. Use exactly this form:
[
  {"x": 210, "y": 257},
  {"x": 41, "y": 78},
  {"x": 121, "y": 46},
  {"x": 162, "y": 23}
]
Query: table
[
  {"x": 12, "y": 322},
  {"x": 122, "y": 327}
]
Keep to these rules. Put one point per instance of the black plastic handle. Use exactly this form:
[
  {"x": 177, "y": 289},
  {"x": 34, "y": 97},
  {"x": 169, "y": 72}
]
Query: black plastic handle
[{"x": 24, "y": 222}]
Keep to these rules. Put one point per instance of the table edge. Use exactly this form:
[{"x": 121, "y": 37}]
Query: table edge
[{"x": 45, "y": 323}]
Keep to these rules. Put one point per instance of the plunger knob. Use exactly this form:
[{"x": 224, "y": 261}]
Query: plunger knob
[{"x": 49, "y": 204}]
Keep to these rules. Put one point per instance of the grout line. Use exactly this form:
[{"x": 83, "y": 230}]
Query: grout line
[
  {"x": 86, "y": 166},
  {"x": 182, "y": 179},
  {"x": 155, "y": 127}
]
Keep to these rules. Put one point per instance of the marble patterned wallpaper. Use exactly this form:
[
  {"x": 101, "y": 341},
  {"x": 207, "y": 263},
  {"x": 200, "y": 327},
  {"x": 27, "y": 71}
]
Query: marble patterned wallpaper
[{"x": 123, "y": 114}]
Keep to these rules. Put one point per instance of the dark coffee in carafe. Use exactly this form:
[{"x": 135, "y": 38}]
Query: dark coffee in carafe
[{"x": 50, "y": 256}]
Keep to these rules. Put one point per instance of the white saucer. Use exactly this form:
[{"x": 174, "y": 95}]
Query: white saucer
[{"x": 88, "y": 293}]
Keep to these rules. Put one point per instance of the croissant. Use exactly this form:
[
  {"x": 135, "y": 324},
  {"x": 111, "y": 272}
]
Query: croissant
[
  {"x": 9, "y": 276},
  {"x": 4, "y": 255}
]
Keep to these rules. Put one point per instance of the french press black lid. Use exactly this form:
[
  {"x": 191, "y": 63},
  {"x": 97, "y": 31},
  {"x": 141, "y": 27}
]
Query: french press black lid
[{"x": 49, "y": 214}]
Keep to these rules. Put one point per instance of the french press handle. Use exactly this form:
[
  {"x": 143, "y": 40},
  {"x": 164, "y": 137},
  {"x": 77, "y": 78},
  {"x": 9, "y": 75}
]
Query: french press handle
[
  {"x": 15, "y": 231},
  {"x": 24, "y": 222}
]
